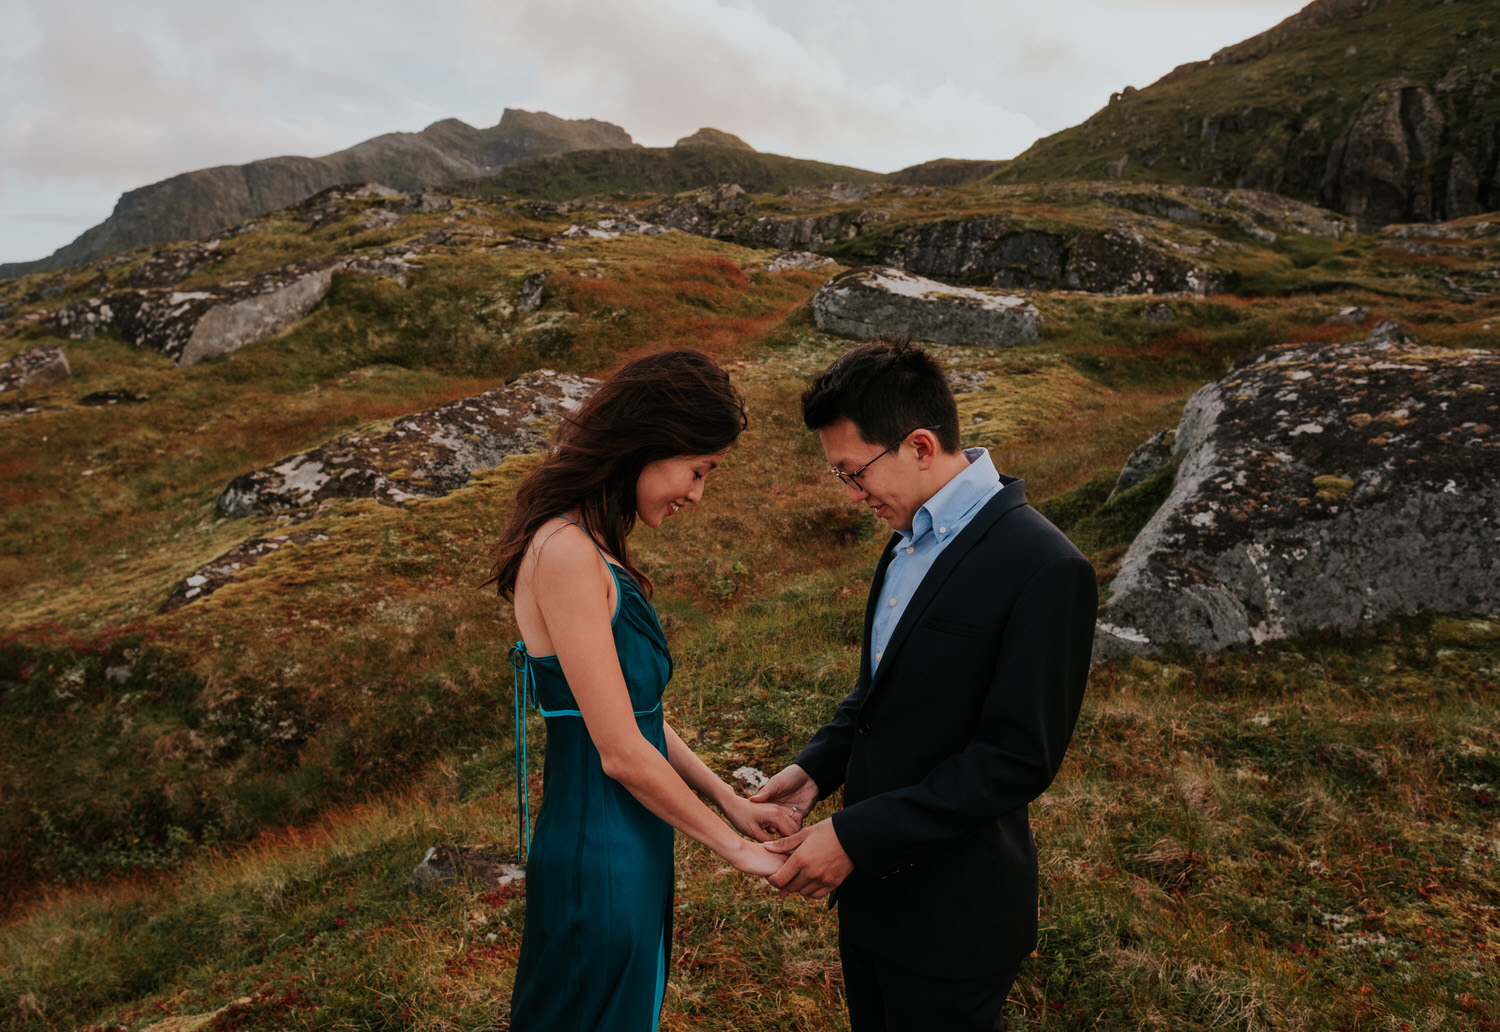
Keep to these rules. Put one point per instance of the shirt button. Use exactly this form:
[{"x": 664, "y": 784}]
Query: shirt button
[
  {"x": 893, "y": 601},
  {"x": 910, "y": 549},
  {"x": 864, "y": 728},
  {"x": 942, "y": 530},
  {"x": 878, "y": 655}
]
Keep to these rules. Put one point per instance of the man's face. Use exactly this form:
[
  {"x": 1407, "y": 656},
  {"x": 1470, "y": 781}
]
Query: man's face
[{"x": 889, "y": 484}]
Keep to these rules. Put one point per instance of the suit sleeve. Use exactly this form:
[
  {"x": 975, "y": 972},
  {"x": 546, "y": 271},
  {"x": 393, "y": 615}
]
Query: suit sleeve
[{"x": 1030, "y": 708}]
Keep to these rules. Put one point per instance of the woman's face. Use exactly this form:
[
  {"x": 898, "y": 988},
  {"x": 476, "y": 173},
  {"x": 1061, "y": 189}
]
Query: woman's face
[{"x": 667, "y": 485}]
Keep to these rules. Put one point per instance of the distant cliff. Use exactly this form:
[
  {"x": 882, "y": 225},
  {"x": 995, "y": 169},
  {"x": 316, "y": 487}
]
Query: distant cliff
[
  {"x": 198, "y": 204},
  {"x": 1386, "y": 110}
]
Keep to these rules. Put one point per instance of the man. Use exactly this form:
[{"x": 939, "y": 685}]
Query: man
[{"x": 976, "y": 649}]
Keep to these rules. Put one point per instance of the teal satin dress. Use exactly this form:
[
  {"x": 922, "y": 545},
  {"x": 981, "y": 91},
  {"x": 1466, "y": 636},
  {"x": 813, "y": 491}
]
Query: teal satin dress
[{"x": 599, "y": 875}]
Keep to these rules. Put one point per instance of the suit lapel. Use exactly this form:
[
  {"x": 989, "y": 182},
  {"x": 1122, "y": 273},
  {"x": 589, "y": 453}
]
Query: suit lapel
[{"x": 1013, "y": 496}]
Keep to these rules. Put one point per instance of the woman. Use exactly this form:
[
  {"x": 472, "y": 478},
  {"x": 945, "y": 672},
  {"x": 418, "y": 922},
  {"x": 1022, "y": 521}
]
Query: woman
[{"x": 617, "y": 778}]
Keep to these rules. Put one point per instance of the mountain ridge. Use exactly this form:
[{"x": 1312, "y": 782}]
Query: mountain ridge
[
  {"x": 1388, "y": 119},
  {"x": 199, "y": 203}
]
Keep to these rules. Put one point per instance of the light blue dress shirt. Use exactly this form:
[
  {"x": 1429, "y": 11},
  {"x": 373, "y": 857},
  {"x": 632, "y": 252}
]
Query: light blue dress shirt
[{"x": 935, "y": 524}]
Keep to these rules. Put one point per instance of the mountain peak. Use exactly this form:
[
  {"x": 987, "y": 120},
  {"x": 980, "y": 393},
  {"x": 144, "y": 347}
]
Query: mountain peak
[{"x": 707, "y": 137}]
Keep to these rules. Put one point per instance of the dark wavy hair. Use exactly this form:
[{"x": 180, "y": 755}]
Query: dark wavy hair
[
  {"x": 671, "y": 403},
  {"x": 887, "y": 390}
]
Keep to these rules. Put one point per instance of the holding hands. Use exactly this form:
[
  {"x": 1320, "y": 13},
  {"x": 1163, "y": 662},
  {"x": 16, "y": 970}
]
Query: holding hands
[{"x": 815, "y": 862}]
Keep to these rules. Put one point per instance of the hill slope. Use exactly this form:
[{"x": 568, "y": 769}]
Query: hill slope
[
  {"x": 1381, "y": 109},
  {"x": 654, "y": 170},
  {"x": 215, "y": 806},
  {"x": 196, "y": 204}
]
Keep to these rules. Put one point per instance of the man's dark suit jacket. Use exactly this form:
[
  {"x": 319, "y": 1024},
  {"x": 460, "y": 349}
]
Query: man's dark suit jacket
[{"x": 964, "y": 723}]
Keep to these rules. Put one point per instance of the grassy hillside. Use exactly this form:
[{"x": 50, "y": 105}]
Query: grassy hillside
[
  {"x": 217, "y": 808},
  {"x": 1217, "y": 123},
  {"x": 653, "y": 170}
]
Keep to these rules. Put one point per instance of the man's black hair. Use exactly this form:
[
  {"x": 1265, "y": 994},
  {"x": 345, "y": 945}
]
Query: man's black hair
[{"x": 887, "y": 390}]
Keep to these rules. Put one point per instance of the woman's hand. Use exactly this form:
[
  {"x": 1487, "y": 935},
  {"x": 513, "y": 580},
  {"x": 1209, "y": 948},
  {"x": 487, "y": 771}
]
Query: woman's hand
[
  {"x": 761, "y": 821},
  {"x": 754, "y": 858}
]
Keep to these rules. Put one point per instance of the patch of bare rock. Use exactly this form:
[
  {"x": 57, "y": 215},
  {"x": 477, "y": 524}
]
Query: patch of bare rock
[
  {"x": 426, "y": 455},
  {"x": 447, "y": 863},
  {"x": 214, "y": 575},
  {"x": 883, "y": 302},
  {"x": 1320, "y": 487},
  {"x": 34, "y": 368}
]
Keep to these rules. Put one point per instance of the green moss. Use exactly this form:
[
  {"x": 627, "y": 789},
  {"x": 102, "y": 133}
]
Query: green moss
[{"x": 1331, "y": 488}]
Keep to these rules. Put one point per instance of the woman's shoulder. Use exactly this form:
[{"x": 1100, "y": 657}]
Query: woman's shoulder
[{"x": 562, "y": 547}]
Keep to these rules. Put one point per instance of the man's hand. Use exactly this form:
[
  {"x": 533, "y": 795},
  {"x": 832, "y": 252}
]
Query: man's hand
[
  {"x": 792, "y": 788},
  {"x": 818, "y": 865}
]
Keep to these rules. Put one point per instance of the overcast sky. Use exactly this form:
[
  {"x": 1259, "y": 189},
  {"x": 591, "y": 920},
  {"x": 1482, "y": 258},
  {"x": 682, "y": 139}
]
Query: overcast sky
[{"x": 100, "y": 96}]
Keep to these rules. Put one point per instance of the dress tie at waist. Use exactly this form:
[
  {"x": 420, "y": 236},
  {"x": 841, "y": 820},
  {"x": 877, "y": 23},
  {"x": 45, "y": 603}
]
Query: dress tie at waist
[{"x": 525, "y": 690}]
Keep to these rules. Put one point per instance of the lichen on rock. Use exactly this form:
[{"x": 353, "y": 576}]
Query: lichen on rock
[{"x": 1321, "y": 486}]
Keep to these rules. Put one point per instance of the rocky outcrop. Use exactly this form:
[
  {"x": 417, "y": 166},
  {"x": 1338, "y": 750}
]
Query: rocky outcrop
[
  {"x": 169, "y": 266},
  {"x": 890, "y": 303},
  {"x": 1371, "y": 164},
  {"x": 1321, "y": 486},
  {"x": 34, "y": 368},
  {"x": 200, "y": 204},
  {"x": 710, "y": 211},
  {"x": 1136, "y": 251},
  {"x": 191, "y": 325},
  {"x": 1259, "y": 214},
  {"x": 1404, "y": 151},
  {"x": 992, "y": 251},
  {"x": 426, "y": 455}
]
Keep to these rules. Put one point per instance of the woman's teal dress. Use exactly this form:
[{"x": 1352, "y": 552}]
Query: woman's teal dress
[{"x": 599, "y": 872}]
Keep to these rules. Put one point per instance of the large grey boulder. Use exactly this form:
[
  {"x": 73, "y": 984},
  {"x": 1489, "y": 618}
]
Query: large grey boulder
[
  {"x": 426, "y": 455},
  {"x": 1321, "y": 486},
  {"x": 882, "y": 302}
]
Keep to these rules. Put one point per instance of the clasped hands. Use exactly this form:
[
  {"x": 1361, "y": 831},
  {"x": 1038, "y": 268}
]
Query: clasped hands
[{"x": 808, "y": 861}]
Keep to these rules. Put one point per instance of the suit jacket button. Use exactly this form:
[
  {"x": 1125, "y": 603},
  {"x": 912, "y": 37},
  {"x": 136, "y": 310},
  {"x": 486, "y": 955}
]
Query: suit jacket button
[{"x": 863, "y": 728}]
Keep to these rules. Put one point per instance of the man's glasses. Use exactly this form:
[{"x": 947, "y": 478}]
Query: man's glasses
[{"x": 852, "y": 479}]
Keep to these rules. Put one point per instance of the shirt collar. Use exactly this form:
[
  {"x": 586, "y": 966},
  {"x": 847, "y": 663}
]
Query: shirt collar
[{"x": 956, "y": 500}]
